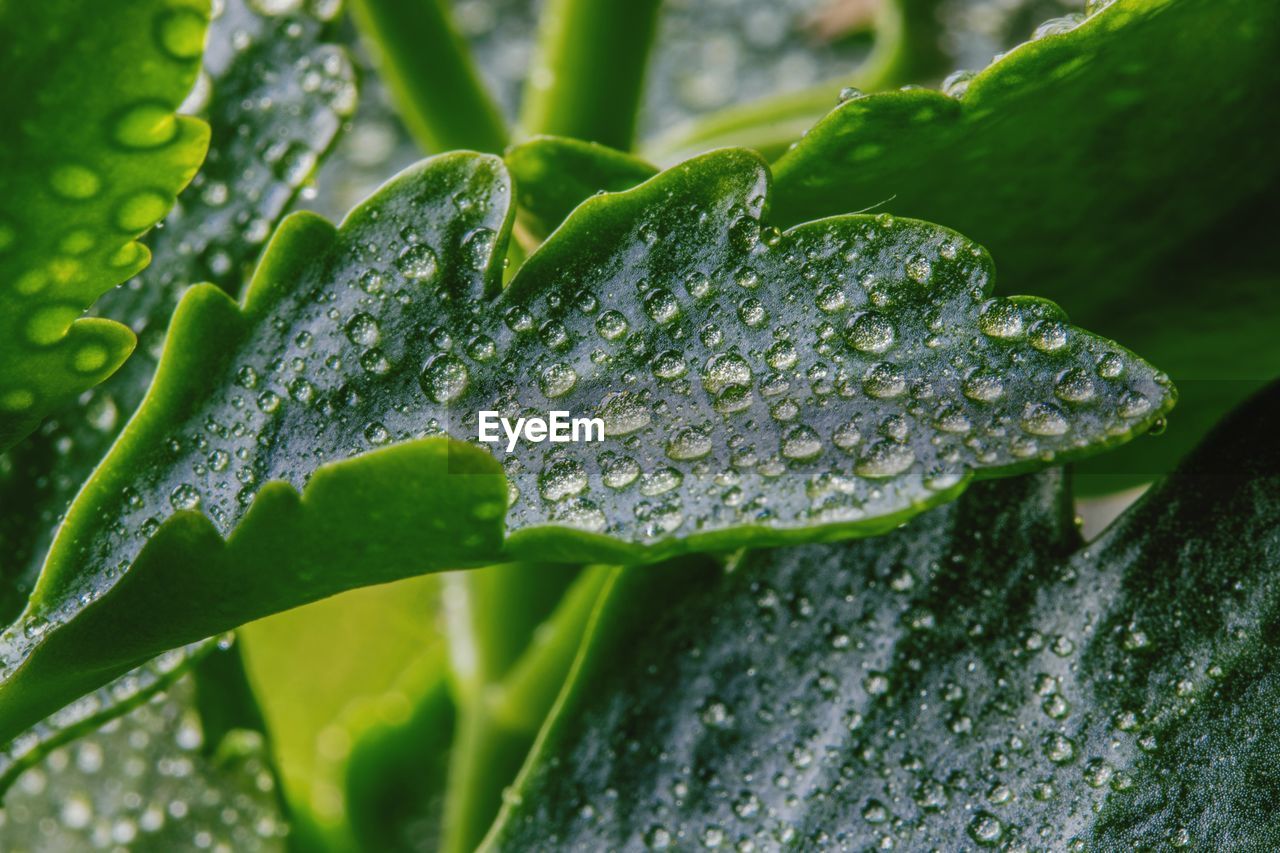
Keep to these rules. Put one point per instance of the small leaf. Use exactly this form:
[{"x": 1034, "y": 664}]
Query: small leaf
[
  {"x": 980, "y": 677},
  {"x": 840, "y": 378},
  {"x": 554, "y": 175},
  {"x": 93, "y": 156},
  {"x": 1081, "y": 161}
]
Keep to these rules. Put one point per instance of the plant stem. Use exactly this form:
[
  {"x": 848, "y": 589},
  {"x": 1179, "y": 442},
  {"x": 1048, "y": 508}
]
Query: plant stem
[
  {"x": 588, "y": 73},
  {"x": 430, "y": 73}
]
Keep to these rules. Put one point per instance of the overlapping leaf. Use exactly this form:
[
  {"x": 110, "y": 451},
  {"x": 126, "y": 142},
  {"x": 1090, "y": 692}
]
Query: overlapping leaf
[
  {"x": 1079, "y": 160},
  {"x": 274, "y": 105},
  {"x": 274, "y": 94},
  {"x": 92, "y": 155},
  {"x": 829, "y": 381},
  {"x": 979, "y": 678}
]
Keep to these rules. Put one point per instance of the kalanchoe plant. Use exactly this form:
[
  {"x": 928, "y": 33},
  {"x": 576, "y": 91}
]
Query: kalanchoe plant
[{"x": 811, "y": 576}]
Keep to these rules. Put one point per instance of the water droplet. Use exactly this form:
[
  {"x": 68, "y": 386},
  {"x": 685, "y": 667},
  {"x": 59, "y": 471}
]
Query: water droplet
[
  {"x": 884, "y": 381},
  {"x": 1074, "y": 386},
  {"x": 478, "y": 247},
  {"x": 444, "y": 378},
  {"x": 141, "y": 210},
  {"x": 1044, "y": 419},
  {"x": 362, "y": 330},
  {"x": 180, "y": 33},
  {"x": 75, "y": 182},
  {"x": 557, "y": 380},
  {"x": 611, "y": 325},
  {"x": 184, "y": 497},
  {"x": 724, "y": 370},
  {"x": 885, "y": 459},
  {"x": 871, "y": 332},
  {"x": 417, "y": 262},
  {"x": 983, "y": 386},
  {"x": 1001, "y": 318},
  {"x": 562, "y": 479},
  {"x": 147, "y": 125},
  {"x": 985, "y": 829},
  {"x": 661, "y": 305}
]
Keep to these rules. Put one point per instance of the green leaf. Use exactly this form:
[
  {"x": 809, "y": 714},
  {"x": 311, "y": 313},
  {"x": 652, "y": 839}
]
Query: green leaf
[
  {"x": 979, "y": 677},
  {"x": 214, "y": 234},
  {"x": 860, "y": 357},
  {"x": 93, "y": 156},
  {"x": 554, "y": 175},
  {"x": 330, "y": 676},
  {"x": 260, "y": 158},
  {"x": 1080, "y": 161}
]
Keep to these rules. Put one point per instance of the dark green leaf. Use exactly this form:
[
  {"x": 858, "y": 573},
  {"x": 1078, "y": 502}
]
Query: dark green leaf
[
  {"x": 831, "y": 381},
  {"x": 274, "y": 104},
  {"x": 980, "y": 677},
  {"x": 93, "y": 156},
  {"x": 1079, "y": 160}
]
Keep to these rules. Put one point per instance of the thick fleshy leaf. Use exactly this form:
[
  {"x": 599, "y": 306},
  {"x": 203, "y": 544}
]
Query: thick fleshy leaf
[
  {"x": 979, "y": 678},
  {"x": 93, "y": 155},
  {"x": 554, "y": 175},
  {"x": 1080, "y": 160},
  {"x": 274, "y": 94},
  {"x": 839, "y": 378}
]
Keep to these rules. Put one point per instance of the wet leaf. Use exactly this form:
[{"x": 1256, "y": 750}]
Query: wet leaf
[
  {"x": 1085, "y": 162},
  {"x": 980, "y": 676},
  {"x": 830, "y": 381},
  {"x": 274, "y": 102},
  {"x": 93, "y": 157}
]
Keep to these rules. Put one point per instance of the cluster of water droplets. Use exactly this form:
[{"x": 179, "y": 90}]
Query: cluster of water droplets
[
  {"x": 943, "y": 684},
  {"x": 143, "y": 781}
]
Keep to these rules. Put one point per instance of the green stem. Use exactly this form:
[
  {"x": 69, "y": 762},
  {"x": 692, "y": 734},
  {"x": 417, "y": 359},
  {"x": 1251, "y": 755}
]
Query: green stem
[
  {"x": 907, "y": 50},
  {"x": 430, "y": 73},
  {"x": 519, "y": 636},
  {"x": 588, "y": 73}
]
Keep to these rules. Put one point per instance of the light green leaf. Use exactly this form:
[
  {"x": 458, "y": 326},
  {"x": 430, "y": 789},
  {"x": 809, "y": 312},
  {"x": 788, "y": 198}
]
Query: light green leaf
[
  {"x": 93, "y": 156},
  {"x": 1081, "y": 161},
  {"x": 979, "y": 678},
  {"x": 840, "y": 377}
]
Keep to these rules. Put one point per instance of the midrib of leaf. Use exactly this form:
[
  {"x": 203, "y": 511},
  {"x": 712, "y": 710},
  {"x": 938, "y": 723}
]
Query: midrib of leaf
[
  {"x": 979, "y": 677},
  {"x": 272, "y": 419},
  {"x": 93, "y": 157}
]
